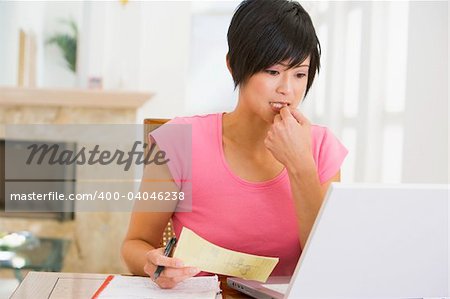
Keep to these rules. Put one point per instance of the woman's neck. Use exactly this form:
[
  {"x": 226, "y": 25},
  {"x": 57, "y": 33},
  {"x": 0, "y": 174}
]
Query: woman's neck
[{"x": 245, "y": 129}]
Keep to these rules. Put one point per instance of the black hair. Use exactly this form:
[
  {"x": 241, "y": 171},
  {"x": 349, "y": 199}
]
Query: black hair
[{"x": 263, "y": 33}]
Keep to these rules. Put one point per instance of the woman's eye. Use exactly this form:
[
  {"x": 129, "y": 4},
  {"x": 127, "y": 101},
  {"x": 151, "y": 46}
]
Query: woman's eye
[
  {"x": 272, "y": 72},
  {"x": 301, "y": 75}
]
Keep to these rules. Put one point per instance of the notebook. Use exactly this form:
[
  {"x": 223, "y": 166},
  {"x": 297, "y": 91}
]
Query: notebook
[{"x": 136, "y": 287}]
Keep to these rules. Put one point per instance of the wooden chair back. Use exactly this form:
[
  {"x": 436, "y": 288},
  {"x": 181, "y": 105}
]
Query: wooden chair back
[{"x": 149, "y": 125}]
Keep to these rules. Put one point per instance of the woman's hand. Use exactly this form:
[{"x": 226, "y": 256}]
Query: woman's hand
[
  {"x": 174, "y": 269},
  {"x": 289, "y": 138}
]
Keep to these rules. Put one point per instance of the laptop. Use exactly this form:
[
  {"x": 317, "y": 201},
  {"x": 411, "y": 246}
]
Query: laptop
[{"x": 370, "y": 241}]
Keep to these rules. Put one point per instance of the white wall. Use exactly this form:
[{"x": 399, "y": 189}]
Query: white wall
[
  {"x": 210, "y": 87},
  {"x": 177, "y": 50},
  {"x": 164, "y": 57},
  {"x": 139, "y": 46},
  {"x": 13, "y": 17},
  {"x": 383, "y": 88},
  {"x": 425, "y": 155},
  {"x": 42, "y": 20},
  {"x": 53, "y": 69},
  {"x": 110, "y": 44},
  {"x": 8, "y": 71}
]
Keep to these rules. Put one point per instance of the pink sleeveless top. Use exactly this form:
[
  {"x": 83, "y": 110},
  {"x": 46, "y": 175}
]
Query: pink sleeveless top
[{"x": 251, "y": 217}]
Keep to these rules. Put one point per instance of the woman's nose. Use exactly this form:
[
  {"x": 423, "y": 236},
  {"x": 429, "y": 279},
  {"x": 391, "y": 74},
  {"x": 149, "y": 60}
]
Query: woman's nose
[{"x": 284, "y": 85}]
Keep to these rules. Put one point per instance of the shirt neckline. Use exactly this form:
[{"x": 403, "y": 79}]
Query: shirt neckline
[{"x": 263, "y": 184}]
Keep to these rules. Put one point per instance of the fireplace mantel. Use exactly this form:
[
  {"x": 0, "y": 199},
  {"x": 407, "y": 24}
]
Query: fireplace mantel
[
  {"x": 65, "y": 106},
  {"x": 46, "y": 97}
]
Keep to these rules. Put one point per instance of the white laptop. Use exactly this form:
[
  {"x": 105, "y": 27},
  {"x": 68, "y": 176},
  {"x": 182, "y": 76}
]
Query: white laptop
[{"x": 371, "y": 241}]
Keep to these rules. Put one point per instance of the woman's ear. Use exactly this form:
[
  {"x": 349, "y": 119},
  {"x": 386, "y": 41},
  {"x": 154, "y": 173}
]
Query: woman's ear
[{"x": 228, "y": 64}]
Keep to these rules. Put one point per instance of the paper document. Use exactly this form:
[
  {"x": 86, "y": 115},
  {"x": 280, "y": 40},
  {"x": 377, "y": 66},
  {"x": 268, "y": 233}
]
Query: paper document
[
  {"x": 197, "y": 252},
  {"x": 135, "y": 287}
]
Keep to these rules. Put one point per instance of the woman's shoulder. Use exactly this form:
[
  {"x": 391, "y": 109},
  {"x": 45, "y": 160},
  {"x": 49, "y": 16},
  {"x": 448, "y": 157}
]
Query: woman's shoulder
[
  {"x": 200, "y": 126},
  {"x": 328, "y": 152},
  {"x": 195, "y": 119},
  {"x": 322, "y": 136},
  {"x": 319, "y": 132}
]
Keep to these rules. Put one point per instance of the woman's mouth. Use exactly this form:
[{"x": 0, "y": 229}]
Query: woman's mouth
[{"x": 277, "y": 106}]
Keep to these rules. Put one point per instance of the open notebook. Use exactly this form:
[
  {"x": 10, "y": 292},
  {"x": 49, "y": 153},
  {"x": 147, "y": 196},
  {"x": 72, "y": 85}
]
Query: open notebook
[{"x": 135, "y": 287}]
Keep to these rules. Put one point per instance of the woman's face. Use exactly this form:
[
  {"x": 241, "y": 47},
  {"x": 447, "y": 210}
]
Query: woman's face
[{"x": 266, "y": 92}]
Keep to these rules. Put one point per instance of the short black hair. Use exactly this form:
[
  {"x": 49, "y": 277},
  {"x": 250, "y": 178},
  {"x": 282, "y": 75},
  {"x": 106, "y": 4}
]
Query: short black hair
[{"x": 263, "y": 33}]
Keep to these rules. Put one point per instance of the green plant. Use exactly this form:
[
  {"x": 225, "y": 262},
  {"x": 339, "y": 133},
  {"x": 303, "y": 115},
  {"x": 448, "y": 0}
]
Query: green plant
[{"x": 67, "y": 43}]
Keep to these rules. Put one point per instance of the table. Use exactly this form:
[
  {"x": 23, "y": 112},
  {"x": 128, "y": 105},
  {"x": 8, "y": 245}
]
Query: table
[
  {"x": 52, "y": 285},
  {"x": 44, "y": 254}
]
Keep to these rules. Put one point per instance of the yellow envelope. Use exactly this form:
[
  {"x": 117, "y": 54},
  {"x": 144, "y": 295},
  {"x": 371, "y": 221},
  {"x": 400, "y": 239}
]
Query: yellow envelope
[{"x": 197, "y": 252}]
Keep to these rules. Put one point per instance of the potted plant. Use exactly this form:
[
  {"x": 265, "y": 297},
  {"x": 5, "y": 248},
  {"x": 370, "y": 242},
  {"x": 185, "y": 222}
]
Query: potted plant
[{"x": 67, "y": 43}]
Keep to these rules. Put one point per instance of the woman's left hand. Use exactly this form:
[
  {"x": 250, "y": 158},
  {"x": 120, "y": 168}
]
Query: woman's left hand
[{"x": 289, "y": 138}]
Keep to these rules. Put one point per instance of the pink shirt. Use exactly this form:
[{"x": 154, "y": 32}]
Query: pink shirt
[{"x": 252, "y": 217}]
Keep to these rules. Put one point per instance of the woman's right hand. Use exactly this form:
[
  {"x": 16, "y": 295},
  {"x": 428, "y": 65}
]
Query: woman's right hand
[{"x": 174, "y": 269}]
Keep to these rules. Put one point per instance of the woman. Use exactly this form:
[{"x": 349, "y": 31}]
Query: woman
[{"x": 260, "y": 172}]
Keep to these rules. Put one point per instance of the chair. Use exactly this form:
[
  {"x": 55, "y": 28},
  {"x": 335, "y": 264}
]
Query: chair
[{"x": 149, "y": 125}]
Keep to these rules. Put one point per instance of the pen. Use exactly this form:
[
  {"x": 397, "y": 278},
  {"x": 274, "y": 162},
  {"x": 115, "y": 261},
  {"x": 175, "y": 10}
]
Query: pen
[{"x": 167, "y": 251}]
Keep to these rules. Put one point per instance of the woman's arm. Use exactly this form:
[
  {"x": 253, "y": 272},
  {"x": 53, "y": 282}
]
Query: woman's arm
[
  {"x": 308, "y": 195},
  {"x": 289, "y": 140},
  {"x": 148, "y": 219},
  {"x": 144, "y": 234},
  {"x": 140, "y": 249}
]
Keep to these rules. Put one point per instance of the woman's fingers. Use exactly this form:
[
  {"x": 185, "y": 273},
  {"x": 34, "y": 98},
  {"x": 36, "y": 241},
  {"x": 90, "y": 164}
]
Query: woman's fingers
[
  {"x": 157, "y": 258},
  {"x": 285, "y": 113},
  {"x": 179, "y": 279},
  {"x": 179, "y": 272},
  {"x": 277, "y": 119},
  {"x": 301, "y": 119},
  {"x": 170, "y": 277},
  {"x": 174, "y": 270},
  {"x": 161, "y": 260}
]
